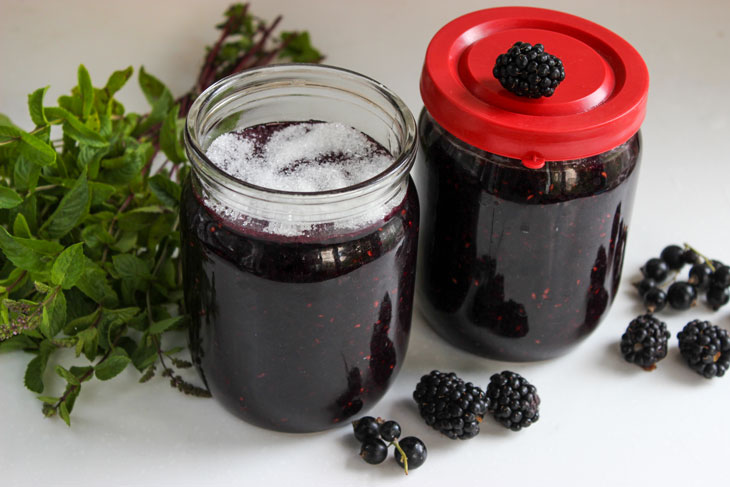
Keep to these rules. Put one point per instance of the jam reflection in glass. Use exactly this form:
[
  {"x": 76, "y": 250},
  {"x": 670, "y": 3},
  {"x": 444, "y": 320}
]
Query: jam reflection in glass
[
  {"x": 520, "y": 264},
  {"x": 298, "y": 333}
]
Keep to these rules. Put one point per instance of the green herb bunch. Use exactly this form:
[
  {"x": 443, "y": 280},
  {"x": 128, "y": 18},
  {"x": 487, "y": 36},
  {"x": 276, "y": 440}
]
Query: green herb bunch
[{"x": 89, "y": 235}]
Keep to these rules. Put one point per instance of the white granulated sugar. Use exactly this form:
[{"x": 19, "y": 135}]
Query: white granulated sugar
[{"x": 303, "y": 157}]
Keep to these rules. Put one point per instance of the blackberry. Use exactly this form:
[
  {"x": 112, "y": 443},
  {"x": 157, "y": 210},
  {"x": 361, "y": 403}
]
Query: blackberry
[
  {"x": 673, "y": 256},
  {"x": 513, "y": 401},
  {"x": 449, "y": 405},
  {"x": 528, "y": 70},
  {"x": 705, "y": 347},
  {"x": 645, "y": 341}
]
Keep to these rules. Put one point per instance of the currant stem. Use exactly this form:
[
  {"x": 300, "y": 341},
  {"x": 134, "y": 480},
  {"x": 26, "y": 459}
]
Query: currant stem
[
  {"x": 707, "y": 261},
  {"x": 402, "y": 454}
]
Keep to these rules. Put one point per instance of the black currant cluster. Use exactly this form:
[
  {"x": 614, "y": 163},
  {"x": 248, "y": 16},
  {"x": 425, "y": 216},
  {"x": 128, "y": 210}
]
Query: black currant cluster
[
  {"x": 711, "y": 277},
  {"x": 373, "y": 433},
  {"x": 705, "y": 347},
  {"x": 456, "y": 408}
]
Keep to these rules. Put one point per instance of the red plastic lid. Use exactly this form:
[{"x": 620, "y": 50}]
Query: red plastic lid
[{"x": 600, "y": 104}]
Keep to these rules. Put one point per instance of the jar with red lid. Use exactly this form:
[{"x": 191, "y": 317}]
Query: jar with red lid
[{"x": 527, "y": 202}]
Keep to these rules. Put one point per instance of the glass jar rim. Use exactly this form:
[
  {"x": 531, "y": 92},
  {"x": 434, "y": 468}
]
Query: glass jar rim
[{"x": 403, "y": 161}]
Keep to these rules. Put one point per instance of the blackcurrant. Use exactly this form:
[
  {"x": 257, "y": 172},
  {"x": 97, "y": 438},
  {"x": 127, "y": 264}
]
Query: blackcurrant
[
  {"x": 699, "y": 276},
  {"x": 681, "y": 295},
  {"x": 656, "y": 269},
  {"x": 672, "y": 255},
  {"x": 366, "y": 427},
  {"x": 415, "y": 451},
  {"x": 390, "y": 431},
  {"x": 655, "y": 300},
  {"x": 717, "y": 296},
  {"x": 721, "y": 276},
  {"x": 644, "y": 285},
  {"x": 691, "y": 257},
  {"x": 373, "y": 451}
]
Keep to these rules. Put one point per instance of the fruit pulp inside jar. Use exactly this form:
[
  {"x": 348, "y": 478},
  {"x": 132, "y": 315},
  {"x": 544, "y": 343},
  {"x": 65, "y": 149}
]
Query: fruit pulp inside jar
[
  {"x": 298, "y": 333},
  {"x": 520, "y": 264}
]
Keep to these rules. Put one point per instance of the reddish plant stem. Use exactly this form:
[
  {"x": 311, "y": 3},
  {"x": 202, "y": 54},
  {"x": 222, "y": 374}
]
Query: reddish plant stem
[
  {"x": 207, "y": 74},
  {"x": 265, "y": 34}
]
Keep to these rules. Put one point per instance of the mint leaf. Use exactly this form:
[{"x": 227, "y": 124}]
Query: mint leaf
[
  {"x": 86, "y": 90},
  {"x": 170, "y": 137},
  {"x": 64, "y": 413},
  {"x": 152, "y": 88},
  {"x": 113, "y": 365},
  {"x": 35, "y": 107},
  {"x": 158, "y": 96},
  {"x": 20, "y": 227},
  {"x": 74, "y": 128},
  {"x": 117, "y": 80},
  {"x": 131, "y": 267},
  {"x": 94, "y": 284},
  {"x": 166, "y": 190},
  {"x": 70, "y": 210},
  {"x": 36, "y": 151},
  {"x": 34, "y": 371},
  {"x": 54, "y": 315},
  {"x": 69, "y": 266},
  {"x": 24, "y": 253},
  {"x": 89, "y": 340},
  {"x": 9, "y": 198},
  {"x": 25, "y": 173},
  {"x": 163, "y": 325},
  {"x": 67, "y": 375},
  {"x": 298, "y": 48}
]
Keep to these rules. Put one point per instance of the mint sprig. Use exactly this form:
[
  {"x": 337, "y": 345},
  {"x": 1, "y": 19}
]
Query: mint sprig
[{"x": 89, "y": 230}]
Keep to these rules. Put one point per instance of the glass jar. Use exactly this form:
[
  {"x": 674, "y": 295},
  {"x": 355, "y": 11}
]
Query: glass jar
[
  {"x": 300, "y": 302},
  {"x": 527, "y": 202}
]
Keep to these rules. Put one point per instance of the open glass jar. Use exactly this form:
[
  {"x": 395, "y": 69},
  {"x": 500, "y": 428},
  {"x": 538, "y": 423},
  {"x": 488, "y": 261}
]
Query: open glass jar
[
  {"x": 301, "y": 302},
  {"x": 527, "y": 201}
]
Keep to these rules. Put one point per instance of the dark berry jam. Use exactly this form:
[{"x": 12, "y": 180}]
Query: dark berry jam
[
  {"x": 520, "y": 264},
  {"x": 298, "y": 333}
]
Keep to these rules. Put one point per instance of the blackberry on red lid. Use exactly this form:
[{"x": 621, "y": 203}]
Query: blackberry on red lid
[
  {"x": 513, "y": 400},
  {"x": 529, "y": 71},
  {"x": 706, "y": 348},
  {"x": 449, "y": 405},
  {"x": 645, "y": 341}
]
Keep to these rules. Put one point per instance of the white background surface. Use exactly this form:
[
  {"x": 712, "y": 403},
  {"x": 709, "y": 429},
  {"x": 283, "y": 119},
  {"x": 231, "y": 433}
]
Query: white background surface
[{"x": 603, "y": 421}]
